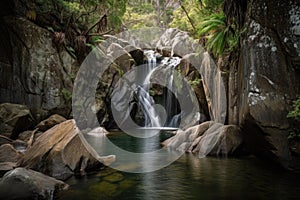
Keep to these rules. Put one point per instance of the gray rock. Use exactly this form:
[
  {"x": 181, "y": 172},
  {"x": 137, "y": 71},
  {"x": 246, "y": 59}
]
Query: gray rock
[
  {"x": 8, "y": 153},
  {"x": 36, "y": 74},
  {"x": 60, "y": 153},
  {"x": 208, "y": 138},
  {"x": 266, "y": 79},
  {"x": 50, "y": 122},
  {"x": 6, "y": 166},
  {"x": 23, "y": 183},
  {"x": 14, "y": 119}
]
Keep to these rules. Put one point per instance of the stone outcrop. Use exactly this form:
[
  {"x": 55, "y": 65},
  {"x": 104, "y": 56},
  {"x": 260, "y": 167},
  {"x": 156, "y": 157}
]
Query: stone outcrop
[
  {"x": 23, "y": 183},
  {"x": 14, "y": 118},
  {"x": 50, "y": 122},
  {"x": 208, "y": 138},
  {"x": 266, "y": 80},
  {"x": 33, "y": 71},
  {"x": 60, "y": 153}
]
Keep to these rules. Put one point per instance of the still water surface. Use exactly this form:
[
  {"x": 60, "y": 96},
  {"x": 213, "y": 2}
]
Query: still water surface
[{"x": 187, "y": 178}]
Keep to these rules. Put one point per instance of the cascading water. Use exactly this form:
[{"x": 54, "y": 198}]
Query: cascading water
[
  {"x": 145, "y": 100},
  {"x": 171, "y": 106}
]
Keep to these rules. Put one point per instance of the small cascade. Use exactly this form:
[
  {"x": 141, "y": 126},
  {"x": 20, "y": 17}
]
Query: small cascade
[
  {"x": 173, "y": 118},
  {"x": 145, "y": 101}
]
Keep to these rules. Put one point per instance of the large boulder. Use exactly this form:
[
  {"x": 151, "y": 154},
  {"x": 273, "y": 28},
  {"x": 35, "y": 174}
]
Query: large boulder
[
  {"x": 208, "y": 138},
  {"x": 23, "y": 183},
  {"x": 267, "y": 78},
  {"x": 14, "y": 119},
  {"x": 60, "y": 153}
]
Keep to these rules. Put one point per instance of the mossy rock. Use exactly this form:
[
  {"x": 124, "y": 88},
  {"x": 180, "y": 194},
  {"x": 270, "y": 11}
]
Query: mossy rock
[
  {"x": 126, "y": 184},
  {"x": 104, "y": 188},
  {"x": 114, "y": 178},
  {"x": 106, "y": 171}
]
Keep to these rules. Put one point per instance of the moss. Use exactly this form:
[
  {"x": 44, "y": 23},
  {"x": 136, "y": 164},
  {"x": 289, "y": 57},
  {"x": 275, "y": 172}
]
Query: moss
[
  {"x": 113, "y": 178},
  {"x": 104, "y": 188}
]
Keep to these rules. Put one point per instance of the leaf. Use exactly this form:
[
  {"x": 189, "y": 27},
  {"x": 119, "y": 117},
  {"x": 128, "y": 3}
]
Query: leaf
[{"x": 31, "y": 14}]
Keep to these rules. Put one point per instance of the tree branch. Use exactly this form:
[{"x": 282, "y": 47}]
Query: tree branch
[{"x": 187, "y": 15}]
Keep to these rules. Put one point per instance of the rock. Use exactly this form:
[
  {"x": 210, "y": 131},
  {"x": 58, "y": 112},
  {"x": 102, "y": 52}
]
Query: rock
[
  {"x": 221, "y": 141},
  {"x": 39, "y": 114},
  {"x": 121, "y": 57},
  {"x": 6, "y": 166},
  {"x": 59, "y": 152},
  {"x": 105, "y": 189},
  {"x": 14, "y": 119},
  {"x": 50, "y": 122},
  {"x": 175, "y": 42},
  {"x": 8, "y": 153},
  {"x": 266, "y": 80},
  {"x": 25, "y": 136},
  {"x": 208, "y": 138},
  {"x": 186, "y": 137},
  {"x": 35, "y": 73},
  {"x": 113, "y": 178},
  {"x": 23, "y": 183},
  {"x": 136, "y": 53},
  {"x": 19, "y": 145},
  {"x": 4, "y": 140}
]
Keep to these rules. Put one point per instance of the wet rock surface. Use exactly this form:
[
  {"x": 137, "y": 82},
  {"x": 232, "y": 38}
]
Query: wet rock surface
[{"x": 267, "y": 79}]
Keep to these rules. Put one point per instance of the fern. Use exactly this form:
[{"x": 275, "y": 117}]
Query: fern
[{"x": 218, "y": 34}]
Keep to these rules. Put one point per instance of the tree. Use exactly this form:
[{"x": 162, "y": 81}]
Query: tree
[{"x": 77, "y": 24}]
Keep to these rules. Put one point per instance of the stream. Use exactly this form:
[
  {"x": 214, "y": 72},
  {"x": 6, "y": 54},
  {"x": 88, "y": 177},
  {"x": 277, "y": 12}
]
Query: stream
[{"x": 187, "y": 178}]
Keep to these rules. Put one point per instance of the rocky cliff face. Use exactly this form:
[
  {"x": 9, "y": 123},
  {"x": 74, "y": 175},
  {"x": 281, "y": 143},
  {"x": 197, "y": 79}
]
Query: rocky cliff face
[
  {"x": 33, "y": 72},
  {"x": 267, "y": 78}
]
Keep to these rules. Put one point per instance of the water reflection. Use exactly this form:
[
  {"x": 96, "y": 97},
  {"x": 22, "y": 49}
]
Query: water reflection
[{"x": 192, "y": 178}]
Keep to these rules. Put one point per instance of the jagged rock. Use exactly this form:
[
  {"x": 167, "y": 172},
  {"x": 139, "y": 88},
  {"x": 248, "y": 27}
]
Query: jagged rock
[
  {"x": 34, "y": 73},
  {"x": 59, "y": 152},
  {"x": 23, "y": 183},
  {"x": 50, "y": 122},
  {"x": 208, "y": 138},
  {"x": 8, "y": 153},
  {"x": 14, "y": 119},
  {"x": 266, "y": 79}
]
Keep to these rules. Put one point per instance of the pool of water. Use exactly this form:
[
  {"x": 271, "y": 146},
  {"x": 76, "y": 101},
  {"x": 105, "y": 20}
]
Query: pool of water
[{"x": 187, "y": 178}]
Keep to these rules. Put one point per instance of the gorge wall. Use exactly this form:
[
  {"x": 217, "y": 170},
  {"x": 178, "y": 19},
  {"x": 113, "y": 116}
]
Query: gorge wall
[
  {"x": 33, "y": 71},
  {"x": 266, "y": 79}
]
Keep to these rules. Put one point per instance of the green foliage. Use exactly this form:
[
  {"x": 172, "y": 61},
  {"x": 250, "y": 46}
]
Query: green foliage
[
  {"x": 77, "y": 25},
  {"x": 218, "y": 34},
  {"x": 294, "y": 136},
  {"x": 195, "y": 83},
  {"x": 208, "y": 22},
  {"x": 295, "y": 113},
  {"x": 67, "y": 95},
  {"x": 134, "y": 18}
]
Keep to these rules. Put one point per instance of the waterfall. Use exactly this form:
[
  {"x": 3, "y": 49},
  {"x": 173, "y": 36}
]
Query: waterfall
[
  {"x": 145, "y": 100},
  {"x": 173, "y": 118}
]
